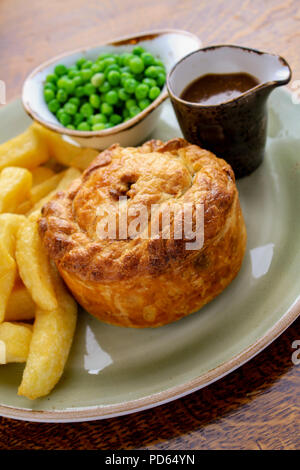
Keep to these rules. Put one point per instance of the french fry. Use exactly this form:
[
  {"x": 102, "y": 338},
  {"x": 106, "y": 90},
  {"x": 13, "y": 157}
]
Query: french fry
[
  {"x": 20, "y": 305},
  {"x": 24, "y": 207},
  {"x": 41, "y": 190},
  {"x": 15, "y": 340},
  {"x": 52, "y": 337},
  {"x": 9, "y": 225},
  {"x": 64, "y": 152},
  {"x": 27, "y": 150},
  {"x": 15, "y": 185},
  {"x": 41, "y": 174},
  {"x": 33, "y": 263},
  {"x": 68, "y": 176},
  {"x": 2, "y": 352}
]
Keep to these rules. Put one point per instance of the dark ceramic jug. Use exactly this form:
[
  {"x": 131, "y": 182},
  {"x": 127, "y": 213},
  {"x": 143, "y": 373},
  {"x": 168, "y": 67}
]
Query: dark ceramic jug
[{"x": 235, "y": 129}]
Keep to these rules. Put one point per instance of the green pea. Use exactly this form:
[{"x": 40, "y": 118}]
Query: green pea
[
  {"x": 87, "y": 64},
  {"x": 83, "y": 126},
  {"x": 68, "y": 85},
  {"x": 151, "y": 71},
  {"x": 138, "y": 50},
  {"x": 159, "y": 63},
  {"x": 134, "y": 110},
  {"x": 78, "y": 118},
  {"x": 105, "y": 87},
  {"x": 79, "y": 91},
  {"x": 61, "y": 82},
  {"x": 150, "y": 82},
  {"x": 60, "y": 70},
  {"x": 98, "y": 79},
  {"x": 49, "y": 95},
  {"x": 98, "y": 127},
  {"x": 106, "y": 108},
  {"x": 80, "y": 62},
  {"x": 70, "y": 126},
  {"x": 101, "y": 65},
  {"x": 104, "y": 55},
  {"x": 122, "y": 94},
  {"x": 86, "y": 110},
  {"x": 95, "y": 100},
  {"x": 130, "y": 103},
  {"x": 114, "y": 77},
  {"x": 154, "y": 92},
  {"x": 99, "y": 118},
  {"x": 125, "y": 76},
  {"x": 108, "y": 125},
  {"x": 125, "y": 69},
  {"x": 130, "y": 85},
  {"x": 109, "y": 61},
  {"x": 147, "y": 58},
  {"x": 111, "y": 67},
  {"x": 72, "y": 73},
  {"x": 64, "y": 118},
  {"x": 111, "y": 97},
  {"x": 62, "y": 95},
  {"x": 70, "y": 108},
  {"x": 125, "y": 57},
  {"x": 51, "y": 78},
  {"x": 89, "y": 89},
  {"x": 77, "y": 80},
  {"x": 128, "y": 59},
  {"x": 115, "y": 119},
  {"x": 144, "y": 103},
  {"x": 86, "y": 74},
  {"x": 59, "y": 113},
  {"x": 54, "y": 106},
  {"x": 95, "y": 68},
  {"x": 160, "y": 69},
  {"x": 49, "y": 86},
  {"x": 141, "y": 91},
  {"x": 74, "y": 100},
  {"x": 136, "y": 65},
  {"x": 125, "y": 113},
  {"x": 161, "y": 78}
]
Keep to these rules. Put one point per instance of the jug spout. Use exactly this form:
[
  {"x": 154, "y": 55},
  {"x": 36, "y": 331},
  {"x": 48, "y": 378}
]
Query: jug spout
[{"x": 270, "y": 70}]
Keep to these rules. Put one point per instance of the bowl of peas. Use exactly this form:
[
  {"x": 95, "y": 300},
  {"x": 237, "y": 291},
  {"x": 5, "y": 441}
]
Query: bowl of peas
[{"x": 110, "y": 93}]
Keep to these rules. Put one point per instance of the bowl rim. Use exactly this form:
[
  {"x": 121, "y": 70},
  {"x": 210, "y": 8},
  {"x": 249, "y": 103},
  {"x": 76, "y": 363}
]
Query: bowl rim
[
  {"x": 259, "y": 86},
  {"x": 133, "y": 39}
]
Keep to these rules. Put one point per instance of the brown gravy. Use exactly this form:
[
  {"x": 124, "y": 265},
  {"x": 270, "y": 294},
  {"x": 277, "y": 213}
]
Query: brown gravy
[{"x": 212, "y": 89}]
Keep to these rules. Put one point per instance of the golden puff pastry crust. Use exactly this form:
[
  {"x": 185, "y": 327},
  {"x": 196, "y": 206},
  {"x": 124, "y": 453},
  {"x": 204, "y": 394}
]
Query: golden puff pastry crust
[{"x": 142, "y": 281}]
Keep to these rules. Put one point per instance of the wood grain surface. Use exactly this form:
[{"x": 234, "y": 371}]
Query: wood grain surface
[{"x": 257, "y": 406}]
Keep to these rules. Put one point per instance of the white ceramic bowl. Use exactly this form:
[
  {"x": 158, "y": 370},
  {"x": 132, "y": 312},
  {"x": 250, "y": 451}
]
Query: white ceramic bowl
[{"x": 168, "y": 45}]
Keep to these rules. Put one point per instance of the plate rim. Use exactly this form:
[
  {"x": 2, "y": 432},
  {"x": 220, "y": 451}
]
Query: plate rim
[{"x": 92, "y": 413}]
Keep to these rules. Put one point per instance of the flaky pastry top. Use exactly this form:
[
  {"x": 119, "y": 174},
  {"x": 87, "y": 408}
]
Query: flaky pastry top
[{"x": 165, "y": 174}]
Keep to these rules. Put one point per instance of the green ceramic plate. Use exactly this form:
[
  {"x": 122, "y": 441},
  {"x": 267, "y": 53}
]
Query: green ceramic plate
[{"x": 113, "y": 371}]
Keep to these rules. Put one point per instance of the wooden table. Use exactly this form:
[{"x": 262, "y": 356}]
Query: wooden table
[{"x": 258, "y": 406}]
